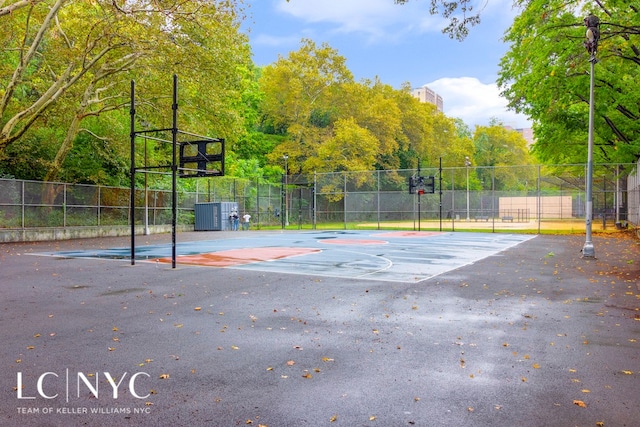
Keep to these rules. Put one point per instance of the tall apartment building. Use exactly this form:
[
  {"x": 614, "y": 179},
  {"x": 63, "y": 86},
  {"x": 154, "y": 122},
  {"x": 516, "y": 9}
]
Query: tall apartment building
[
  {"x": 527, "y": 133},
  {"x": 424, "y": 94}
]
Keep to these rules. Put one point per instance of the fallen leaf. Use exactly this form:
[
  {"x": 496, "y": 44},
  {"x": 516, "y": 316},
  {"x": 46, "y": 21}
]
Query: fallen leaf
[
  {"x": 372, "y": 418},
  {"x": 307, "y": 375},
  {"x": 627, "y": 372},
  {"x": 291, "y": 362},
  {"x": 333, "y": 418},
  {"x": 327, "y": 359},
  {"x": 536, "y": 366},
  {"x": 580, "y": 403},
  {"x": 198, "y": 308},
  {"x": 584, "y": 390}
]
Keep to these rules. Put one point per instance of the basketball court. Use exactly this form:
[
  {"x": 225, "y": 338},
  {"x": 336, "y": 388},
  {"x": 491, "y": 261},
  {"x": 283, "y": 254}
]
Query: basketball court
[{"x": 398, "y": 256}]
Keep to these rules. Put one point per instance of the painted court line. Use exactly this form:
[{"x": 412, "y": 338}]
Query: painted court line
[{"x": 401, "y": 256}]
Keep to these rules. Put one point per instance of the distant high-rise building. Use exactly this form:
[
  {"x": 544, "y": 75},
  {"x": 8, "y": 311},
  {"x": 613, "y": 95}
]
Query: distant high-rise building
[
  {"x": 527, "y": 134},
  {"x": 424, "y": 94}
]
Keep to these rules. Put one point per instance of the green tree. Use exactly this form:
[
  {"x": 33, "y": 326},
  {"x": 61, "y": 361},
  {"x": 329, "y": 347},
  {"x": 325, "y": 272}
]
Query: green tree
[
  {"x": 66, "y": 61},
  {"x": 506, "y": 150},
  {"x": 299, "y": 95},
  {"x": 373, "y": 107},
  {"x": 545, "y": 75}
]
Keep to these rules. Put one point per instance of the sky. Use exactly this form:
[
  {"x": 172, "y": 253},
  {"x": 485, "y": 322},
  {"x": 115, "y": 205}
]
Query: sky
[{"x": 397, "y": 44}]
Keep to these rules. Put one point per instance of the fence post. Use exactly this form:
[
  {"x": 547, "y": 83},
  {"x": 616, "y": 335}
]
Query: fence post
[
  {"x": 378, "y": 198},
  {"x": 493, "y": 199},
  {"x": 99, "y": 203},
  {"x": 315, "y": 199},
  {"x": 22, "y": 203},
  {"x": 257, "y": 203},
  {"x": 540, "y": 201},
  {"x": 453, "y": 199},
  {"x": 344, "y": 198},
  {"x": 64, "y": 205}
]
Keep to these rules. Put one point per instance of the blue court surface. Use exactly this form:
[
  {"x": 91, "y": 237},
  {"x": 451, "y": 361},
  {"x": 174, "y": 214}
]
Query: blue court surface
[{"x": 398, "y": 256}]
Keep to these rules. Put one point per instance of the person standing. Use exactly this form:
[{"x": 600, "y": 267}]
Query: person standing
[
  {"x": 234, "y": 219},
  {"x": 246, "y": 218}
]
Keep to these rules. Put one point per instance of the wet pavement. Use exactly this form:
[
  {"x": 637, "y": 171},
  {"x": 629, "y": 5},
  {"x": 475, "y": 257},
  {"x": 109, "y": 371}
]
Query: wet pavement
[{"x": 507, "y": 330}]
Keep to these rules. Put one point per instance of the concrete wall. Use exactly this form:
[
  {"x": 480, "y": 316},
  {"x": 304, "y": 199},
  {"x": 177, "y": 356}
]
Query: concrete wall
[
  {"x": 556, "y": 207},
  {"x": 50, "y": 234}
]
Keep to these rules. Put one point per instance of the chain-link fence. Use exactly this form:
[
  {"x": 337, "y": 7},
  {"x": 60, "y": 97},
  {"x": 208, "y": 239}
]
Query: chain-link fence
[
  {"x": 520, "y": 197},
  {"x": 528, "y": 198}
]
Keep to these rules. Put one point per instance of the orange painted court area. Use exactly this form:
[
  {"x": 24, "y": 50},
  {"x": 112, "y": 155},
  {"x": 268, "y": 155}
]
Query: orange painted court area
[{"x": 234, "y": 257}]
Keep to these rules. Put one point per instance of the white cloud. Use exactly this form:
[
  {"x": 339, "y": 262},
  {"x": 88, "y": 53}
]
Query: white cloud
[
  {"x": 377, "y": 18},
  {"x": 476, "y": 103}
]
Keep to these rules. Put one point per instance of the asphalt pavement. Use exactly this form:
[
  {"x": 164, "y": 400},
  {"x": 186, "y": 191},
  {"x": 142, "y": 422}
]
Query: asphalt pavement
[{"x": 532, "y": 335}]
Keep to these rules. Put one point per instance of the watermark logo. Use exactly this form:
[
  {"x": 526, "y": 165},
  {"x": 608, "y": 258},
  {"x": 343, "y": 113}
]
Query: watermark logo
[
  {"x": 76, "y": 383},
  {"x": 67, "y": 386}
]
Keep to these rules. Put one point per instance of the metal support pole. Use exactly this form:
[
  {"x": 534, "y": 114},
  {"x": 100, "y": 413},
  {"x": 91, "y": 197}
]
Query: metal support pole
[
  {"x": 467, "y": 163},
  {"x": 315, "y": 200},
  {"x": 440, "y": 190},
  {"x": 146, "y": 193},
  {"x": 286, "y": 199},
  {"x": 588, "y": 250},
  {"x": 174, "y": 172},
  {"x": 132, "y": 195}
]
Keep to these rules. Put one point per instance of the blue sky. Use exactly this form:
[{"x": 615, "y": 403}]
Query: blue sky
[{"x": 397, "y": 44}]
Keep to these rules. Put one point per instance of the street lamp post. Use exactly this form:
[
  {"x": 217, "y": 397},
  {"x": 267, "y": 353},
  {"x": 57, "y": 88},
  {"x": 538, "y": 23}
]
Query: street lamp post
[
  {"x": 593, "y": 34},
  {"x": 467, "y": 163}
]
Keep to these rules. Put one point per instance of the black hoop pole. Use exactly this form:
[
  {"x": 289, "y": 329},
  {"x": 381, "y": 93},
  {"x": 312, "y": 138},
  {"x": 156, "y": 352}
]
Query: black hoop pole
[
  {"x": 132, "y": 196},
  {"x": 174, "y": 172}
]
